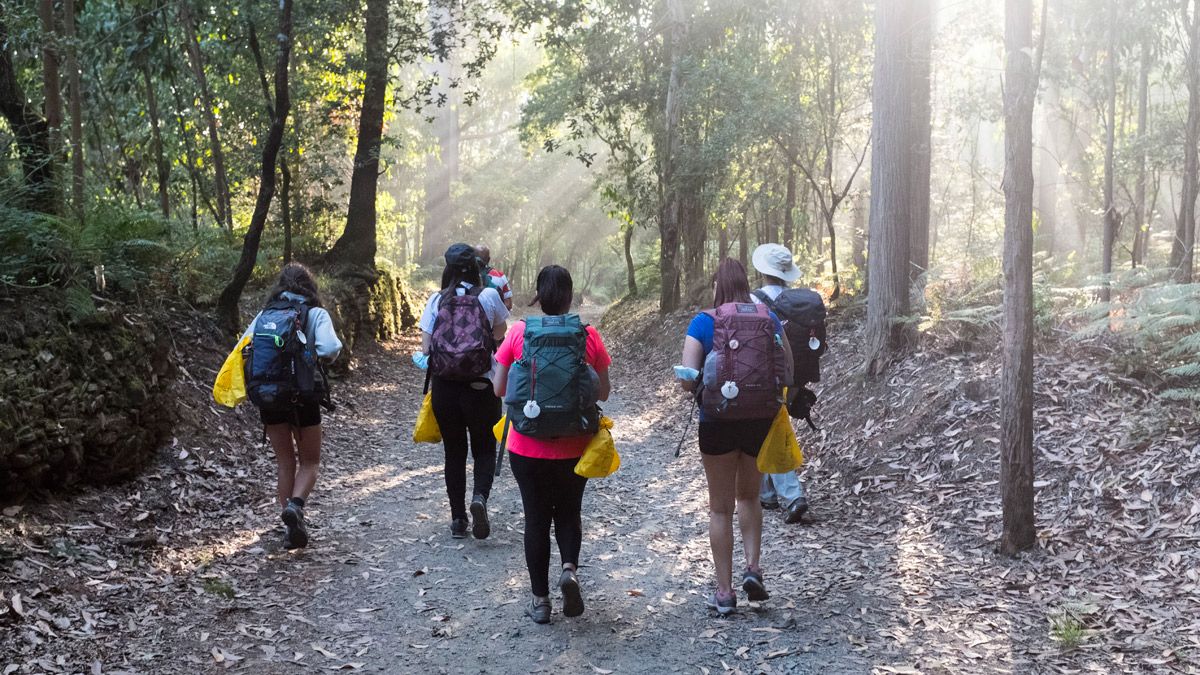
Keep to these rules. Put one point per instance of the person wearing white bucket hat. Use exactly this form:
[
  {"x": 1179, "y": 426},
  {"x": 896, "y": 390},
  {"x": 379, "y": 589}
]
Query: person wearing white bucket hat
[{"x": 774, "y": 262}]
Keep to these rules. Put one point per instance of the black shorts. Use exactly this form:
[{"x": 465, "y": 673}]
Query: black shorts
[
  {"x": 303, "y": 415},
  {"x": 719, "y": 437}
]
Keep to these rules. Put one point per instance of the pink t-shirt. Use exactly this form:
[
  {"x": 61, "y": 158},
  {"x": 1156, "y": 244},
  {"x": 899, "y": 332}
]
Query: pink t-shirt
[{"x": 560, "y": 448}]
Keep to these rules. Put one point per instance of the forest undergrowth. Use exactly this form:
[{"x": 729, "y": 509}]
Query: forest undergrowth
[{"x": 895, "y": 569}]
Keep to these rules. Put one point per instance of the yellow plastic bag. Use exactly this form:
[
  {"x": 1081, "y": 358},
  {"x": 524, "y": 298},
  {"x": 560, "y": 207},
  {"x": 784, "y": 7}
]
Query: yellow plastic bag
[
  {"x": 498, "y": 430},
  {"x": 230, "y": 387},
  {"x": 780, "y": 451},
  {"x": 600, "y": 458},
  {"x": 426, "y": 429}
]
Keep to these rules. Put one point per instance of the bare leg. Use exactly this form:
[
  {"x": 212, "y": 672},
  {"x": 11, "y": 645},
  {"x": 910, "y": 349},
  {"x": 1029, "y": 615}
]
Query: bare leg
[
  {"x": 308, "y": 443},
  {"x": 721, "y": 471},
  {"x": 749, "y": 509},
  {"x": 280, "y": 436}
]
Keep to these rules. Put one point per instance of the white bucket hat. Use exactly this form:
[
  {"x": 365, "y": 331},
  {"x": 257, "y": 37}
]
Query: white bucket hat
[{"x": 774, "y": 260}]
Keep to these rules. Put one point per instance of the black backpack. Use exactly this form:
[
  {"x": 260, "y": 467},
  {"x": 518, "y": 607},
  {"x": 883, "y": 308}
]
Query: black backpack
[
  {"x": 282, "y": 371},
  {"x": 802, "y": 312}
]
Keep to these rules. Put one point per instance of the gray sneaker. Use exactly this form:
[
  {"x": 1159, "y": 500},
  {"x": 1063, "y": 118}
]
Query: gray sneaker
[
  {"x": 296, "y": 535},
  {"x": 723, "y": 606},
  {"x": 752, "y": 584},
  {"x": 538, "y": 609}
]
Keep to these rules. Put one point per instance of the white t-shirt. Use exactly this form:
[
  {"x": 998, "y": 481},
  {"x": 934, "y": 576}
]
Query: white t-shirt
[
  {"x": 773, "y": 291},
  {"x": 493, "y": 307}
]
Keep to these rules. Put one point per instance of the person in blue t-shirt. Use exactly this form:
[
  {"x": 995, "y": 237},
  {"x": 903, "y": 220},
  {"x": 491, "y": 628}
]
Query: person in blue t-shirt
[{"x": 729, "y": 451}]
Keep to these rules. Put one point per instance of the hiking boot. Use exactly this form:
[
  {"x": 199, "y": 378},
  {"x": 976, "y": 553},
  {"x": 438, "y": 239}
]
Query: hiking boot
[
  {"x": 796, "y": 511},
  {"x": 458, "y": 527},
  {"x": 572, "y": 598},
  {"x": 296, "y": 535},
  {"x": 752, "y": 583},
  {"x": 480, "y": 527},
  {"x": 723, "y": 605},
  {"x": 538, "y": 609},
  {"x": 769, "y": 506}
]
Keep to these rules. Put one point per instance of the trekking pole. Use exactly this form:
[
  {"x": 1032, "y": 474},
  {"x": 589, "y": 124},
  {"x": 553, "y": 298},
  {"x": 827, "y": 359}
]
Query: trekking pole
[
  {"x": 503, "y": 446},
  {"x": 687, "y": 426}
]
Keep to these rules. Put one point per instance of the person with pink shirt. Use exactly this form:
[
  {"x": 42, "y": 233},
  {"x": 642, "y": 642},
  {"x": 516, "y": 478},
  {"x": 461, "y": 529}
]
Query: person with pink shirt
[{"x": 543, "y": 462}]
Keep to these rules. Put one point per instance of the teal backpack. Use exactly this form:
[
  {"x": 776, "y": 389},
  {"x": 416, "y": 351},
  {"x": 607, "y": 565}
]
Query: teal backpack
[{"x": 551, "y": 389}]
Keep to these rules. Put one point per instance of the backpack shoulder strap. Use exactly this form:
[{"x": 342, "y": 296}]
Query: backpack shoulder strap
[
  {"x": 475, "y": 291},
  {"x": 766, "y": 299}
]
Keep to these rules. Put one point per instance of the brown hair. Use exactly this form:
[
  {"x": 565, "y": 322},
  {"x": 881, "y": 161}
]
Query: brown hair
[
  {"x": 731, "y": 283},
  {"x": 296, "y": 278}
]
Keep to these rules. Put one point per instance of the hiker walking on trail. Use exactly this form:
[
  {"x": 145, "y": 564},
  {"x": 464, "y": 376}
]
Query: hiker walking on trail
[
  {"x": 779, "y": 490},
  {"x": 460, "y": 328},
  {"x": 742, "y": 360},
  {"x": 552, "y": 371},
  {"x": 285, "y": 380},
  {"x": 492, "y": 277}
]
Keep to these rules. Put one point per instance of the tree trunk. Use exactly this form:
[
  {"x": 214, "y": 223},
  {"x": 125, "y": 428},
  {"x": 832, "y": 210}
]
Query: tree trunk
[
  {"x": 630, "y": 270},
  {"x": 921, "y": 63},
  {"x": 743, "y": 236},
  {"x": 1141, "y": 228},
  {"x": 51, "y": 86},
  {"x": 221, "y": 182},
  {"x": 789, "y": 208},
  {"x": 75, "y": 98},
  {"x": 669, "y": 228},
  {"x": 1110, "y": 133},
  {"x": 285, "y": 204},
  {"x": 837, "y": 280},
  {"x": 1185, "y": 228},
  {"x": 32, "y": 135},
  {"x": 227, "y": 303},
  {"x": 858, "y": 242},
  {"x": 694, "y": 223},
  {"x": 1016, "y": 378},
  {"x": 891, "y": 202},
  {"x": 356, "y": 246},
  {"x": 164, "y": 168}
]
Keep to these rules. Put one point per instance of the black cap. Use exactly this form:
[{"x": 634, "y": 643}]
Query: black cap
[{"x": 461, "y": 256}]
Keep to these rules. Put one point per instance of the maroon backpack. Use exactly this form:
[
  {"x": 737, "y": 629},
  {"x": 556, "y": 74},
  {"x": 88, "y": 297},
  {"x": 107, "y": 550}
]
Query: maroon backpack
[
  {"x": 746, "y": 370},
  {"x": 461, "y": 345}
]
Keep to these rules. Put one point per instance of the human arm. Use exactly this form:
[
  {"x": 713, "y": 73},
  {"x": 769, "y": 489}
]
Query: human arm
[
  {"x": 508, "y": 352},
  {"x": 325, "y": 339},
  {"x": 693, "y": 357},
  {"x": 500, "y": 380}
]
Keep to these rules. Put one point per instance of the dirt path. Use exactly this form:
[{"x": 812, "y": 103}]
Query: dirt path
[
  {"x": 894, "y": 572},
  {"x": 385, "y": 589}
]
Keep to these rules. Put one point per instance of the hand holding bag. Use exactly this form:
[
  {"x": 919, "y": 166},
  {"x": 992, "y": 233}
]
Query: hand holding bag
[
  {"x": 600, "y": 458},
  {"x": 229, "y": 389},
  {"x": 426, "y": 429},
  {"x": 780, "y": 451}
]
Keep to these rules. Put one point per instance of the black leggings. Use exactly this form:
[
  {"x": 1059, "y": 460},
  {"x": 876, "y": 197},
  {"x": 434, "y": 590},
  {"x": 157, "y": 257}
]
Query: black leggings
[
  {"x": 462, "y": 410},
  {"x": 550, "y": 491}
]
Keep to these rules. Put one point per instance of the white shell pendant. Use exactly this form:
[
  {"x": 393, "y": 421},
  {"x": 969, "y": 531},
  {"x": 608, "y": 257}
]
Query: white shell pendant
[
  {"x": 729, "y": 389},
  {"x": 734, "y": 344},
  {"x": 814, "y": 343},
  {"x": 301, "y": 337},
  {"x": 532, "y": 409}
]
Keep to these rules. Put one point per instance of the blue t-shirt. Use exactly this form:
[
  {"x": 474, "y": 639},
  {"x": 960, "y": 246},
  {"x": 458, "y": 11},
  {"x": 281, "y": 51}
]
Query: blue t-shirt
[{"x": 701, "y": 328}]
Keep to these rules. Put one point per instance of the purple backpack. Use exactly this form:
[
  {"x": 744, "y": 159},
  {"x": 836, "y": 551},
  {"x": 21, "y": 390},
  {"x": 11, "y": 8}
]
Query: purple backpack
[
  {"x": 746, "y": 370},
  {"x": 461, "y": 345}
]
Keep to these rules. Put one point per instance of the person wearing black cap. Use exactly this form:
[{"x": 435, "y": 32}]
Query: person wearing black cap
[{"x": 460, "y": 328}]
